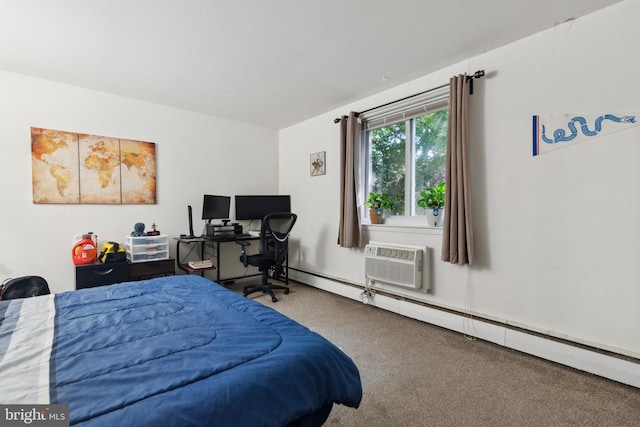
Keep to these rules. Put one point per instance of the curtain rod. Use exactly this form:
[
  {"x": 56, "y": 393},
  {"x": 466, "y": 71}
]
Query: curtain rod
[{"x": 478, "y": 74}]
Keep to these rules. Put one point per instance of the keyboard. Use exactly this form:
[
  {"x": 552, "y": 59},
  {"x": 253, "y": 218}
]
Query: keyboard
[{"x": 198, "y": 265}]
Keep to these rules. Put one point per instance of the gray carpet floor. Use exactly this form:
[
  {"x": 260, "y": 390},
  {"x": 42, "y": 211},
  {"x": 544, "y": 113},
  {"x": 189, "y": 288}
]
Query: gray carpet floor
[{"x": 416, "y": 374}]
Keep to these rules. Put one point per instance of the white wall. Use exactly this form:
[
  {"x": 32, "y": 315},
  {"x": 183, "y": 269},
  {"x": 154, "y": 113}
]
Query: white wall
[
  {"x": 196, "y": 154},
  {"x": 556, "y": 236}
]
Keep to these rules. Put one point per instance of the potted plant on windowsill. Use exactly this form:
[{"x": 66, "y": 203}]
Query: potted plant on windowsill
[
  {"x": 432, "y": 199},
  {"x": 377, "y": 203}
]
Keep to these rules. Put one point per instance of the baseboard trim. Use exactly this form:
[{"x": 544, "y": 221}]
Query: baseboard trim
[{"x": 617, "y": 369}]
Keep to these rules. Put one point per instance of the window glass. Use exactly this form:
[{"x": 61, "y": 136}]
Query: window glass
[
  {"x": 430, "y": 153},
  {"x": 387, "y": 155},
  {"x": 406, "y": 157}
]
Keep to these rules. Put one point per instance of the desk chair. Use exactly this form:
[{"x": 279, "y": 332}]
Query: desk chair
[
  {"x": 274, "y": 242},
  {"x": 23, "y": 287}
]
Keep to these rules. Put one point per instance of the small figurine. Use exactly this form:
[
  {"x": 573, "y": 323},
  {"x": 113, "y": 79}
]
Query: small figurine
[
  {"x": 155, "y": 231},
  {"x": 138, "y": 230}
]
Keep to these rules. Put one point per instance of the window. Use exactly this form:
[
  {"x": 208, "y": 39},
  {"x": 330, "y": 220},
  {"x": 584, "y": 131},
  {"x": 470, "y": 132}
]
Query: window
[{"x": 405, "y": 149}]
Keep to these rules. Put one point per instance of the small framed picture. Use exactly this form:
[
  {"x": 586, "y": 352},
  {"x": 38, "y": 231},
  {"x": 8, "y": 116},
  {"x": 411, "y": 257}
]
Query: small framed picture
[{"x": 318, "y": 165}]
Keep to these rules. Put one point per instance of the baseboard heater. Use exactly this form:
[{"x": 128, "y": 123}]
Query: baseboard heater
[{"x": 394, "y": 264}]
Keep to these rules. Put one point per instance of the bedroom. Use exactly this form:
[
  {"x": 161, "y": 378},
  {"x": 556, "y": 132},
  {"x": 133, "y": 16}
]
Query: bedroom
[{"x": 555, "y": 243}]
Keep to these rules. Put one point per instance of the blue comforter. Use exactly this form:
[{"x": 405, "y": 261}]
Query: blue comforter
[{"x": 173, "y": 351}]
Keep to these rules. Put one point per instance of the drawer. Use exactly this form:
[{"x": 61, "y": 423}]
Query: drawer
[
  {"x": 91, "y": 275},
  {"x": 150, "y": 269},
  {"x": 150, "y": 256}
]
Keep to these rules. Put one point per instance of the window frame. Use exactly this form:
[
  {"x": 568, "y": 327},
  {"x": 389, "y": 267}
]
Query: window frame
[{"x": 405, "y": 109}]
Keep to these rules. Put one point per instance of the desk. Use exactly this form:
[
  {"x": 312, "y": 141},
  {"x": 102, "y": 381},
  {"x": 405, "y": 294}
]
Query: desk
[{"x": 215, "y": 242}]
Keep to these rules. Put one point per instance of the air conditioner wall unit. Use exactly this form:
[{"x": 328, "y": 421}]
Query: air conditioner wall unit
[{"x": 394, "y": 264}]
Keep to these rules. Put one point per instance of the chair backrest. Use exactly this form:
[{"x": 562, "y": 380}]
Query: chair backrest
[
  {"x": 274, "y": 234},
  {"x": 23, "y": 287}
]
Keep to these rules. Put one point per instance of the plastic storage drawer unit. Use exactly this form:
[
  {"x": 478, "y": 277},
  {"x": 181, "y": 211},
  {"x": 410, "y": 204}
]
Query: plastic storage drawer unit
[{"x": 147, "y": 248}]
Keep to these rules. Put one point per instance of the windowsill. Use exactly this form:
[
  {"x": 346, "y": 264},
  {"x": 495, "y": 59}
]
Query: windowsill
[{"x": 403, "y": 224}]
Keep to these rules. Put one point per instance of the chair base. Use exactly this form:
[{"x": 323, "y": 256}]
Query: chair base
[{"x": 266, "y": 289}]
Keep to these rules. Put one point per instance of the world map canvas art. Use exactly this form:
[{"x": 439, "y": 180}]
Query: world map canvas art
[{"x": 78, "y": 168}]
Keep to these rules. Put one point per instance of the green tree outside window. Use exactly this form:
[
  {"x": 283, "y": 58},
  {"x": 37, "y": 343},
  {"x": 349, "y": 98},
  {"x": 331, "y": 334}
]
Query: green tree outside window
[{"x": 424, "y": 166}]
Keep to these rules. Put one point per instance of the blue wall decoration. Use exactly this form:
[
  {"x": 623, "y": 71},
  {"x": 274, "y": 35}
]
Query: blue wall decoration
[{"x": 551, "y": 132}]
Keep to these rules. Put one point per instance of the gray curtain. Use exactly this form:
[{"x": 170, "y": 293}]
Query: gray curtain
[
  {"x": 349, "y": 228},
  {"x": 457, "y": 235}
]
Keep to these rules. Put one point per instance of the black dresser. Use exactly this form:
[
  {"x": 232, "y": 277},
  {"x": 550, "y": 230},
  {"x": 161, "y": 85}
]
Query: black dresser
[{"x": 98, "y": 274}]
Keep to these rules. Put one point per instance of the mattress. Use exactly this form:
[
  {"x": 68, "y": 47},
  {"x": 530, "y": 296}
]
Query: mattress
[{"x": 178, "y": 350}]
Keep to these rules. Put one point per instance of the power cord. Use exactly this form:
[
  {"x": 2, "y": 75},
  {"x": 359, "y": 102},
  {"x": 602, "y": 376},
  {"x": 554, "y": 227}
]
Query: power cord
[
  {"x": 368, "y": 293},
  {"x": 467, "y": 320}
]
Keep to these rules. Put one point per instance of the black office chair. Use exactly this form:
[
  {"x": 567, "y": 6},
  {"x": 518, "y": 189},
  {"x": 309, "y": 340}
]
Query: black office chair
[
  {"x": 24, "y": 287},
  {"x": 274, "y": 242}
]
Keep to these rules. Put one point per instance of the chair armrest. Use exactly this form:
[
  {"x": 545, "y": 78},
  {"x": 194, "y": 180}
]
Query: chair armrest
[{"x": 243, "y": 256}]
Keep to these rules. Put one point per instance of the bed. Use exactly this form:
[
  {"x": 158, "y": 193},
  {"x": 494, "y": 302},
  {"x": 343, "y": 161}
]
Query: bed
[{"x": 172, "y": 351}]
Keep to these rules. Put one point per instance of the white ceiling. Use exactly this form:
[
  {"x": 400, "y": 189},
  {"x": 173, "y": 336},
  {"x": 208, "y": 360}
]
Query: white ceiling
[{"x": 270, "y": 63}]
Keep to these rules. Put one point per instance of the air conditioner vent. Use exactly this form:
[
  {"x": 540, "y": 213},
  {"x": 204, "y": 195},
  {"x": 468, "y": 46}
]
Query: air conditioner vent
[{"x": 394, "y": 264}]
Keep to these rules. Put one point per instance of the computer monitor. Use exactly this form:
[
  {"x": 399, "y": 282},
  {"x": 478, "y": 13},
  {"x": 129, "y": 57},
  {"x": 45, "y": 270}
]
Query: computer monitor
[
  {"x": 215, "y": 207},
  {"x": 257, "y": 207}
]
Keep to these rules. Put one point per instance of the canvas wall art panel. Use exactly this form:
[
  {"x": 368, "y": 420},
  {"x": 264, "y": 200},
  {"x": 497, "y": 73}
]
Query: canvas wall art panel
[{"x": 70, "y": 168}]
